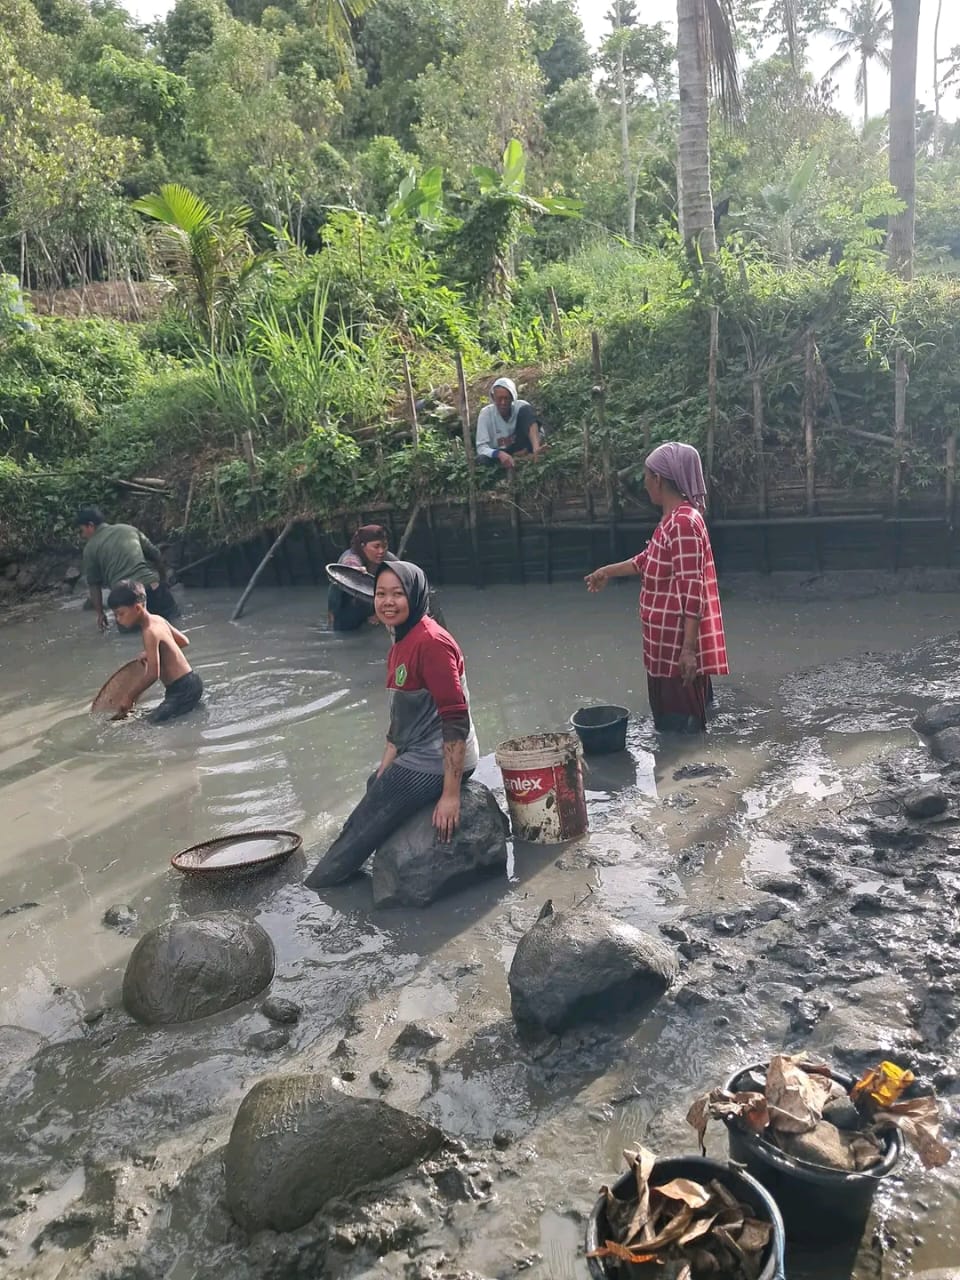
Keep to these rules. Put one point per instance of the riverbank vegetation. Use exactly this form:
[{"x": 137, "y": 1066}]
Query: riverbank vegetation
[{"x": 322, "y": 199}]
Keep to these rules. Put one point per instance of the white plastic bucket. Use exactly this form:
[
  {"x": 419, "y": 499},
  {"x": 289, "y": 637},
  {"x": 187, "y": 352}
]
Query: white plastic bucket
[{"x": 543, "y": 779}]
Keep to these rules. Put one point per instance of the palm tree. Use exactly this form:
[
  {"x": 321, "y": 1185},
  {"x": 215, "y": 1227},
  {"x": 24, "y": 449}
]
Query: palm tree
[
  {"x": 903, "y": 134},
  {"x": 207, "y": 255},
  {"x": 707, "y": 60},
  {"x": 866, "y": 35},
  {"x": 335, "y": 16},
  {"x": 706, "y": 57}
]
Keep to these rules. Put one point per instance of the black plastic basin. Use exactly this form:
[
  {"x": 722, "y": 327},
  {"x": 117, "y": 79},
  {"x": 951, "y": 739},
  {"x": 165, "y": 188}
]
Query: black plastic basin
[
  {"x": 601, "y": 730},
  {"x": 701, "y": 1170},
  {"x": 820, "y": 1206}
]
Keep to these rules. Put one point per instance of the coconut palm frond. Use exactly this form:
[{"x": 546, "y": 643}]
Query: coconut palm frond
[
  {"x": 839, "y": 65},
  {"x": 721, "y": 31}
]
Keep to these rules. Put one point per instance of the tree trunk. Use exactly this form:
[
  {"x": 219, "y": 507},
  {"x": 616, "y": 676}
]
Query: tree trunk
[
  {"x": 864, "y": 72},
  {"x": 629, "y": 181},
  {"x": 903, "y": 133},
  {"x": 937, "y": 96},
  {"x": 694, "y": 193}
]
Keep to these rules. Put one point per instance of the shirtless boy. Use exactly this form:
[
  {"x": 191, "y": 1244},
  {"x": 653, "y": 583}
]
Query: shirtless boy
[{"x": 162, "y": 655}]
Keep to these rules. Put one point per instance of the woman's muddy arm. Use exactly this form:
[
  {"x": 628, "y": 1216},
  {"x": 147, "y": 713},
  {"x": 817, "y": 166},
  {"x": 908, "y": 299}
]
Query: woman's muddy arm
[
  {"x": 446, "y": 816},
  {"x": 597, "y": 580},
  {"x": 389, "y": 755}
]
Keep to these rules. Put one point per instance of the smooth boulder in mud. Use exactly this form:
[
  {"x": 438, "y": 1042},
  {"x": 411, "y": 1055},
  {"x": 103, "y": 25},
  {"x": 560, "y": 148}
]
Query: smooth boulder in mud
[
  {"x": 941, "y": 716},
  {"x": 297, "y": 1141},
  {"x": 946, "y": 746},
  {"x": 194, "y": 967},
  {"x": 575, "y": 966},
  {"x": 414, "y": 867}
]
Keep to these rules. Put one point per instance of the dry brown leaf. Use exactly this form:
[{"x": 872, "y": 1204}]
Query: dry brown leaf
[
  {"x": 698, "y": 1228},
  {"x": 724, "y": 1195},
  {"x": 611, "y": 1249},
  {"x": 672, "y": 1231},
  {"x": 703, "y": 1262},
  {"x": 918, "y": 1119},
  {"x": 795, "y": 1097},
  {"x": 685, "y": 1189},
  {"x": 755, "y": 1235},
  {"x": 750, "y": 1108},
  {"x": 749, "y": 1262}
]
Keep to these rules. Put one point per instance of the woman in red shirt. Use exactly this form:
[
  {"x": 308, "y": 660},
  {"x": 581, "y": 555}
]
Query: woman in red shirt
[
  {"x": 680, "y": 618},
  {"x": 431, "y": 744}
]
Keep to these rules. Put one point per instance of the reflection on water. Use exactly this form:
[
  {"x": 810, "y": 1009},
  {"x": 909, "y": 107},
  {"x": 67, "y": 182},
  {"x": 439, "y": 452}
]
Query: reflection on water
[{"x": 292, "y": 723}]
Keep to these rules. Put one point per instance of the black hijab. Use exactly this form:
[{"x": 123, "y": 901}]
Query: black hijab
[{"x": 415, "y": 588}]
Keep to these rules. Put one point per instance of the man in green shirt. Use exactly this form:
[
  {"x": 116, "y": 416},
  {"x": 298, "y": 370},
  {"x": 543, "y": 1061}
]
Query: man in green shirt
[{"x": 117, "y": 553}]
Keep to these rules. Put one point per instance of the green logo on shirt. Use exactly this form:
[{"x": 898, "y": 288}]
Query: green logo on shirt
[{"x": 400, "y": 676}]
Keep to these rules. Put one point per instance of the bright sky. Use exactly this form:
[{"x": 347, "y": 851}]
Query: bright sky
[{"x": 593, "y": 13}]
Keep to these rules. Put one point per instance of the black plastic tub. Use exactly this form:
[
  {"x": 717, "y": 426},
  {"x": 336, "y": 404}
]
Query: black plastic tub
[
  {"x": 743, "y": 1186},
  {"x": 601, "y": 730},
  {"x": 820, "y": 1206}
]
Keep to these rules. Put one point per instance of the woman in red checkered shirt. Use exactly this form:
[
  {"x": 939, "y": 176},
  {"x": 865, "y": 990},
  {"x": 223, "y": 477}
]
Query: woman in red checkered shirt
[{"x": 680, "y": 618}]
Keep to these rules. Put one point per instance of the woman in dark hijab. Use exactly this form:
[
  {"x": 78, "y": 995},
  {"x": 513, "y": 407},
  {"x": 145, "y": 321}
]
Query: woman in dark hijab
[
  {"x": 431, "y": 745},
  {"x": 367, "y": 551}
]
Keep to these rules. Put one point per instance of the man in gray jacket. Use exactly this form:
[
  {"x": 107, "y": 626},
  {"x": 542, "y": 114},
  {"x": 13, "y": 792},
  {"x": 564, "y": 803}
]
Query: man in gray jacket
[{"x": 507, "y": 428}]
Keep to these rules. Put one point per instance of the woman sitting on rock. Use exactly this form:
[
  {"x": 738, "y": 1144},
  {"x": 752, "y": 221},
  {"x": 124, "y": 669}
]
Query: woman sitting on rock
[
  {"x": 367, "y": 551},
  {"x": 431, "y": 744},
  {"x": 680, "y": 619}
]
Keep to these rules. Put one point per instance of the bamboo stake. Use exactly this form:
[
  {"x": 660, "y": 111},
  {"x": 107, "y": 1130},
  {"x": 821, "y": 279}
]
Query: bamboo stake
[
  {"x": 219, "y": 504},
  {"x": 555, "y": 312},
  {"x": 408, "y": 530},
  {"x": 470, "y": 448},
  {"x": 951, "y": 478},
  {"x": 901, "y": 378},
  {"x": 411, "y": 402},
  {"x": 277, "y": 543},
  {"x": 809, "y": 418},
  {"x": 712, "y": 396},
  {"x": 186, "y": 518},
  {"x": 195, "y": 564},
  {"x": 599, "y": 404},
  {"x": 515, "y": 522},
  {"x": 758, "y": 442}
]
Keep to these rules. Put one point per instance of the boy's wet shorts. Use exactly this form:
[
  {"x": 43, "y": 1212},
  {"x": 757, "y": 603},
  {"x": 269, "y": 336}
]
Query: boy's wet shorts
[{"x": 181, "y": 696}]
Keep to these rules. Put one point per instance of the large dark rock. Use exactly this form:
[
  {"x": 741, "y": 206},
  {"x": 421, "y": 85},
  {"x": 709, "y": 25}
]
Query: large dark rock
[
  {"x": 297, "y": 1142},
  {"x": 925, "y": 802},
  {"x": 414, "y": 867},
  {"x": 946, "y": 746},
  {"x": 944, "y": 715},
  {"x": 191, "y": 968},
  {"x": 574, "y": 966}
]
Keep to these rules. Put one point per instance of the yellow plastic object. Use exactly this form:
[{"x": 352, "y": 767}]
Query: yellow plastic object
[{"x": 883, "y": 1085}]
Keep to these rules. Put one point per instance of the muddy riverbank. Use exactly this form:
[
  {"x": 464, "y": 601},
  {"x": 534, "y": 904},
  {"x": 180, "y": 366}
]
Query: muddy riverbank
[{"x": 806, "y": 910}]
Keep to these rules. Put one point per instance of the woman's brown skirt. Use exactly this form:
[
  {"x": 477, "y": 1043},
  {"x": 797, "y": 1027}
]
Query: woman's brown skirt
[{"x": 679, "y": 707}]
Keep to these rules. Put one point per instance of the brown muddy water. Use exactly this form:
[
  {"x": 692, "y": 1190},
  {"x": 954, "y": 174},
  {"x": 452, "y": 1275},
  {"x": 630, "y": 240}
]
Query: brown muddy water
[{"x": 112, "y": 1134}]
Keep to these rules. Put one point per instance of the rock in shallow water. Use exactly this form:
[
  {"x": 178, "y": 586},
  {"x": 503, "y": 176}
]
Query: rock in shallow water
[
  {"x": 121, "y": 917},
  {"x": 946, "y": 746},
  {"x": 414, "y": 867},
  {"x": 270, "y": 1040},
  {"x": 190, "y": 968},
  {"x": 575, "y": 966},
  {"x": 279, "y": 1010},
  {"x": 297, "y": 1142}
]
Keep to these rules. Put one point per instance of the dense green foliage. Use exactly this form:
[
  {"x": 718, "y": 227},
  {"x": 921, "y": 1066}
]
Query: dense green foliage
[{"x": 330, "y": 189}]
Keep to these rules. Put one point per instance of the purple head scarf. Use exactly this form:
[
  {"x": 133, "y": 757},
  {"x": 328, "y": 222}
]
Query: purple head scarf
[{"x": 680, "y": 464}]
